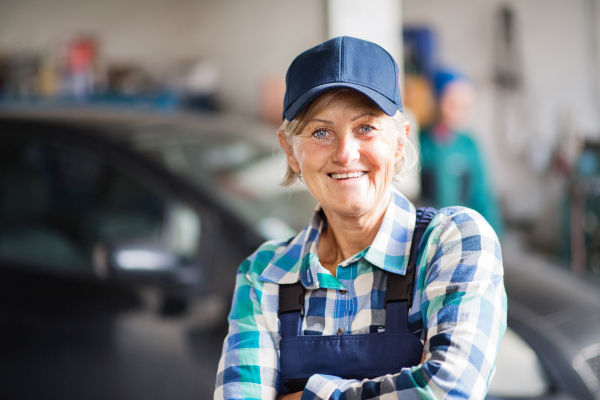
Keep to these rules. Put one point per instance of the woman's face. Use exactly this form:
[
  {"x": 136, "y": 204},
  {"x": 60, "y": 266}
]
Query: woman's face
[{"x": 346, "y": 154}]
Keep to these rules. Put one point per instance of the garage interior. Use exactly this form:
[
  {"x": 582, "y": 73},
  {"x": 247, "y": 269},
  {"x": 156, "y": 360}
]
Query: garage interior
[{"x": 539, "y": 135}]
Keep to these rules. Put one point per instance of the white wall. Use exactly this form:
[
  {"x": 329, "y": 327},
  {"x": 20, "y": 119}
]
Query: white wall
[
  {"x": 556, "y": 46},
  {"x": 247, "y": 39}
]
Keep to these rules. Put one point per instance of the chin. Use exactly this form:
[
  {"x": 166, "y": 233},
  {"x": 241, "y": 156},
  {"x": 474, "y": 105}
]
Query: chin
[
  {"x": 350, "y": 202},
  {"x": 349, "y": 205}
]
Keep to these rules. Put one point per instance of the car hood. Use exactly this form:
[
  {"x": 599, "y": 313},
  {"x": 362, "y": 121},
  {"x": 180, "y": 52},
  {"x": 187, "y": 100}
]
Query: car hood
[{"x": 546, "y": 300}]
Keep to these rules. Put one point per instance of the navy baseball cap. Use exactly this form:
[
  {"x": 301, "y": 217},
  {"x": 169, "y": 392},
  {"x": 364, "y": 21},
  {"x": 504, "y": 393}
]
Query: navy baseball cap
[{"x": 342, "y": 62}]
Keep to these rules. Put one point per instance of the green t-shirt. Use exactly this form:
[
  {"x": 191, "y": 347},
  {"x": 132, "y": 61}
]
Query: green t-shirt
[{"x": 452, "y": 173}]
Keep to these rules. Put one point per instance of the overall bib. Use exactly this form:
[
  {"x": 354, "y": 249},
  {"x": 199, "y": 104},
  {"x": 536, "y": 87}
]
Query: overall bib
[{"x": 352, "y": 356}]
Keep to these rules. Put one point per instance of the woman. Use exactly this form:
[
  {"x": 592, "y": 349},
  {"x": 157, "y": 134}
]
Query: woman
[{"x": 333, "y": 289}]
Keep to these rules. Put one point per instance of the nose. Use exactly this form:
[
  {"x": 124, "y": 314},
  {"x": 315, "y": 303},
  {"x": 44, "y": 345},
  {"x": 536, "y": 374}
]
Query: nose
[{"x": 347, "y": 150}]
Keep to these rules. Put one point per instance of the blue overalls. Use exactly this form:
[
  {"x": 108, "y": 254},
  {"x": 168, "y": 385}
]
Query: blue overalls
[{"x": 352, "y": 356}]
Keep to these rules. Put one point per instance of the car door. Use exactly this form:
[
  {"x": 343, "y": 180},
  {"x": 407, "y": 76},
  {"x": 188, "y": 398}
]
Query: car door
[{"x": 102, "y": 272}]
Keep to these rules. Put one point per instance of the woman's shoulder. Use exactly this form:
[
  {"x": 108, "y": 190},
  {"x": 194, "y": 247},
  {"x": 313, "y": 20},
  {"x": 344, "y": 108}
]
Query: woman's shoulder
[
  {"x": 258, "y": 261},
  {"x": 461, "y": 243},
  {"x": 458, "y": 223}
]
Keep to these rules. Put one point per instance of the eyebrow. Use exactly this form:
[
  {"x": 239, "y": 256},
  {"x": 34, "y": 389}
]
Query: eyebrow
[
  {"x": 325, "y": 121},
  {"x": 362, "y": 115},
  {"x": 322, "y": 120}
]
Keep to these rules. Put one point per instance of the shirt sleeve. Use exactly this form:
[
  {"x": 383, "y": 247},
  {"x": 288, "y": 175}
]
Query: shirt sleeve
[
  {"x": 248, "y": 368},
  {"x": 463, "y": 306}
]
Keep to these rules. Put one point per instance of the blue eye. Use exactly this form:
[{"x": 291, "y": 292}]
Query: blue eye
[
  {"x": 320, "y": 134},
  {"x": 365, "y": 129}
]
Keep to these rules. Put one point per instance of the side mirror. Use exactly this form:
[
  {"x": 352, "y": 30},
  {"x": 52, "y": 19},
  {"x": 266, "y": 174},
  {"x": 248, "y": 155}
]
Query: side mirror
[{"x": 147, "y": 263}]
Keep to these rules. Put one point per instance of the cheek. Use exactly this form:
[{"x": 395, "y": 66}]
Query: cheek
[
  {"x": 383, "y": 158},
  {"x": 302, "y": 148},
  {"x": 385, "y": 151},
  {"x": 309, "y": 155},
  {"x": 312, "y": 152}
]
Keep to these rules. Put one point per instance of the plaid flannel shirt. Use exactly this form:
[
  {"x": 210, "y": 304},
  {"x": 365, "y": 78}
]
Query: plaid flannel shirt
[{"x": 459, "y": 300}]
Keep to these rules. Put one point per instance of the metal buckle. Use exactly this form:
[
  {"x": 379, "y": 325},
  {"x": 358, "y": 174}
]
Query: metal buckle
[
  {"x": 400, "y": 287},
  {"x": 291, "y": 298}
]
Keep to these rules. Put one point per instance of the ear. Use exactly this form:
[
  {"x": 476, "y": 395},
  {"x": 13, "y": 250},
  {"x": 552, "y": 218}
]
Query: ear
[
  {"x": 400, "y": 146},
  {"x": 289, "y": 152}
]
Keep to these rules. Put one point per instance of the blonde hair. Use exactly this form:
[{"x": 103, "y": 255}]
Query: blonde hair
[{"x": 293, "y": 128}]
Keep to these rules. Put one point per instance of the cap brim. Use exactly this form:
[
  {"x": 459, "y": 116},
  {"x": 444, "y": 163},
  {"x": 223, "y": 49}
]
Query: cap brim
[{"x": 386, "y": 105}]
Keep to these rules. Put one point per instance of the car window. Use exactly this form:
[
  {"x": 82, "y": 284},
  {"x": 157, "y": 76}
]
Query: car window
[
  {"x": 241, "y": 173},
  {"x": 519, "y": 372},
  {"x": 58, "y": 201}
]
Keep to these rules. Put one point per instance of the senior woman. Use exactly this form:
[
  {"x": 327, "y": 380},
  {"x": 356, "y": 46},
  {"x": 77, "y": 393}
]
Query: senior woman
[{"x": 357, "y": 305}]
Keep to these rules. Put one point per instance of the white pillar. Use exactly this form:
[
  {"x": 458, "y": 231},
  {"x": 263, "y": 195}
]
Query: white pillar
[{"x": 378, "y": 21}]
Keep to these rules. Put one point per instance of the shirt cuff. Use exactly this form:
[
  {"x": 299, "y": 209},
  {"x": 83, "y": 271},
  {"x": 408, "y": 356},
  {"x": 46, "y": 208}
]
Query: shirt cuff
[{"x": 321, "y": 387}]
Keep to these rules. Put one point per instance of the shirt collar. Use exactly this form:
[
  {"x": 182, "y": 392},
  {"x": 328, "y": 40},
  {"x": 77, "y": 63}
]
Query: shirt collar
[{"x": 298, "y": 260}]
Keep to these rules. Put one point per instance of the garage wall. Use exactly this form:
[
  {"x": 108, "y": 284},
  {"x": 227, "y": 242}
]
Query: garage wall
[
  {"x": 247, "y": 39},
  {"x": 253, "y": 39},
  {"x": 560, "y": 93}
]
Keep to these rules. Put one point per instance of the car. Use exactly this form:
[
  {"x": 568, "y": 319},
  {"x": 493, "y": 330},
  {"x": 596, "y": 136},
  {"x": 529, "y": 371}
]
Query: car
[
  {"x": 120, "y": 237},
  {"x": 552, "y": 347}
]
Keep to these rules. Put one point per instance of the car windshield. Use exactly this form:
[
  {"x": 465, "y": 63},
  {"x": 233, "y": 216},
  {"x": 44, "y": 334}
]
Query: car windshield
[{"x": 241, "y": 172}]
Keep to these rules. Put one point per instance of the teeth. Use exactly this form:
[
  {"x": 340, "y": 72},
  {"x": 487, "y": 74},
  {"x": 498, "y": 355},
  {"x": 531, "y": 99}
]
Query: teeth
[{"x": 350, "y": 175}]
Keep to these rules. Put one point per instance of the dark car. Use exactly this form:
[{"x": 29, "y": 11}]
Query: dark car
[
  {"x": 552, "y": 348},
  {"x": 120, "y": 236}
]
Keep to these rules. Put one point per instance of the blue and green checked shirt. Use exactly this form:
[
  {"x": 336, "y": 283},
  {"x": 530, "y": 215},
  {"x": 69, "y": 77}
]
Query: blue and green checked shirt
[{"x": 459, "y": 300}]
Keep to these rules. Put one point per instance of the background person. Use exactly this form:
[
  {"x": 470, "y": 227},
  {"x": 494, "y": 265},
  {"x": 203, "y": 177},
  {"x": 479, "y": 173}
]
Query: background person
[
  {"x": 452, "y": 169},
  {"x": 345, "y": 136}
]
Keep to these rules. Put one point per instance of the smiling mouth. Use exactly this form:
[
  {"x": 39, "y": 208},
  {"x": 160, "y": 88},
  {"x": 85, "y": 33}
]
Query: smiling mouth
[{"x": 347, "y": 176}]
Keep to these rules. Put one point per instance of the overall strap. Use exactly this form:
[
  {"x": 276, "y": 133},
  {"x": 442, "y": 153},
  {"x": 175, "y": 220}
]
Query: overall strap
[
  {"x": 399, "y": 290},
  {"x": 291, "y": 308},
  {"x": 398, "y": 297}
]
